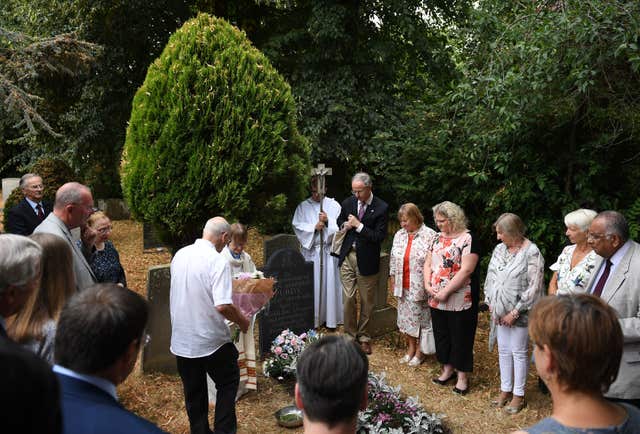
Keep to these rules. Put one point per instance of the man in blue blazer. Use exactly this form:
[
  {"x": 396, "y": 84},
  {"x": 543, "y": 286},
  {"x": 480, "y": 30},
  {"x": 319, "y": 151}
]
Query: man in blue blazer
[
  {"x": 97, "y": 343},
  {"x": 23, "y": 218},
  {"x": 364, "y": 217}
]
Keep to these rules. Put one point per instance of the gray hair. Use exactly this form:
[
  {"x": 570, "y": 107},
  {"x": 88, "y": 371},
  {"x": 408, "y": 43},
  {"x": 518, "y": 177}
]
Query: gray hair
[
  {"x": 70, "y": 193},
  {"x": 362, "y": 177},
  {"x": 216, "y": 226},
  {"x": 453, "y": 212},
  {"x": 19, "y": 261},
  {"x": 510, "y": 224},
  {"x": 581, "y": 218},
  {"x": 26, "y": 177},
  {"x": 615, "y": 223}
]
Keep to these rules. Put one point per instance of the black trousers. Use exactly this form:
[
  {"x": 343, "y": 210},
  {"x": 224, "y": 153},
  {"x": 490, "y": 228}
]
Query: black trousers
[
  {"x": 455, "y": 332},
  {"x": 222, "y": 367}
]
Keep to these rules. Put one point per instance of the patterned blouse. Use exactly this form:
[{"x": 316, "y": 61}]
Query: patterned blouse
[
  {"x": 106, "y": 265},
  {"x": 446, "y": 261},
  {"x": 574, "y": 280},
  {"x": 420, "y": 245}
]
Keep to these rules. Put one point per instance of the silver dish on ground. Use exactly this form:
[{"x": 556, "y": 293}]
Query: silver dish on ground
[{"x": 289, "y": 416}]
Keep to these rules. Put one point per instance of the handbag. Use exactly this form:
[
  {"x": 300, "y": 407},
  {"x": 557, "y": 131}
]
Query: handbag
[{"x": 336, "y": 243}]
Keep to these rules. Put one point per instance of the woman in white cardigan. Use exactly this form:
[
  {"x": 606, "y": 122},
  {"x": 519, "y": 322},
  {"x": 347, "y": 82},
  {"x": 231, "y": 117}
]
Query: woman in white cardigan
[{"x": 515, "y": 281}]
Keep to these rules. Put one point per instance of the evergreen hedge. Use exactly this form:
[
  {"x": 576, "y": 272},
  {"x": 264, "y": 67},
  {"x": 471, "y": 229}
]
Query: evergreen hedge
[{"x": 213, "y": 132}]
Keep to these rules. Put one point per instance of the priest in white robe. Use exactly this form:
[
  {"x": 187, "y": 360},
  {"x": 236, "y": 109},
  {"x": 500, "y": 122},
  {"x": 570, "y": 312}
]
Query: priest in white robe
[{"x": 308, "y": 222}]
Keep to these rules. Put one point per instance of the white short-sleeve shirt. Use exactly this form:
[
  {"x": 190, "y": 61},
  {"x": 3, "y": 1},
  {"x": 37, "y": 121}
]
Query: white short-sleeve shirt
[{"x": 200, "y": 281}]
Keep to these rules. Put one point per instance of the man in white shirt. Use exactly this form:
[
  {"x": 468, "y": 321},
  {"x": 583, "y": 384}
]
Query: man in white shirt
[
  {"x": 308, "y": 223},
  {"x": 200, "y": 300},
  {"x": 617, "y": 282}
]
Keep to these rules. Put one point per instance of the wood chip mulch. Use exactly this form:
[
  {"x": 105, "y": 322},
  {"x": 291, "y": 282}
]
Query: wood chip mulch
[{"x": 159, "y": 397}]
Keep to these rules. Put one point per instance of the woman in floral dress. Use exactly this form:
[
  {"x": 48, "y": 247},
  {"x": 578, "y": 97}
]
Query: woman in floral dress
[
  {"x": 515, "y": 281},
  {"x": 574, "y": 268},
  {"x": 411, "y": 245},
  {"x": 447, "y": 279}
]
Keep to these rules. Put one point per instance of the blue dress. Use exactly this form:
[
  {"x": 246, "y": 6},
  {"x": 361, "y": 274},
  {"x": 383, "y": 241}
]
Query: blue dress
[
  {"x": 549, "y": 425},
  {"x": 106, "y": 265}
]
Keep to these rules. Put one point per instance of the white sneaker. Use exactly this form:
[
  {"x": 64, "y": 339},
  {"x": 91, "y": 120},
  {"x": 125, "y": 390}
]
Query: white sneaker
[
  {"x": 405, "y": 359},
  {"x": 416, "y": 361}
]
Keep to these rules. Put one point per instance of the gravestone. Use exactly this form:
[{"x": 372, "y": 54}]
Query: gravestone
[
  {"x": 150, "y": 238},
  {"x": 156, "y": 356},
  {"x": 8, "y": 185},
  {"x": 292, "y": 305},
  {"x": 384, "y": 317},
  {"x": 280, "y": 241}
]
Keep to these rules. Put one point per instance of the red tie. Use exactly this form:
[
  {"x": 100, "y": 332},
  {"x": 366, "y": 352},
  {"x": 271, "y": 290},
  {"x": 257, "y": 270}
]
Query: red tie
[
  {"x": 603, "y": 279},
  {"x": 40, "y": 213}
]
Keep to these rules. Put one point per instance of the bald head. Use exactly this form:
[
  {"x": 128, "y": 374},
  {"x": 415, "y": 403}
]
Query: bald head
[
  {"x": 73, "y": 204},
  {"x": 216, "y": 230}
]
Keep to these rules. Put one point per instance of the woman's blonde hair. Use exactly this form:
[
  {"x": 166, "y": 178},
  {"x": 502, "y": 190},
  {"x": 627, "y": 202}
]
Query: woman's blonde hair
[
  {"x": 57, "y": 285},
  {"x": 411, "y": 212},
  {"x": 453, "y": 213},
  {"x": 95, "y": 217}
]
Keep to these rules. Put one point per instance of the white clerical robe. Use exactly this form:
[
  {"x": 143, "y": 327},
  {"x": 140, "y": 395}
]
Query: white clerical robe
[{"x": 328, "y": 299}]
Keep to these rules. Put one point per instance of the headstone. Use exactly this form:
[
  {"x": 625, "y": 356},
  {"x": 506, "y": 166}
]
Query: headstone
[
  {"x": 384, "y": 317},
  {"x": 292, "y": 305},
  {"x": 280, "y": 241},
  {"x": 156, "y": 356},
  {"x": 116, "y": 209},
  {"x": 8, "y": 185},
  {"x": 150, "y": 238}
]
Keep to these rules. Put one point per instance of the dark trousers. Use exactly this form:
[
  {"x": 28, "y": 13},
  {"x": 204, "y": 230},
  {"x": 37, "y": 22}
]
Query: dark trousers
[
  {"x": 222, "y": 367},
  {"x": 455, "y": 332}
]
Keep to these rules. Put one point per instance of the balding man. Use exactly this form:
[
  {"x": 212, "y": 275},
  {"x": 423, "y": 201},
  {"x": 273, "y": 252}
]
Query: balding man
[
  {"x": 617, "y": 282},
  {"x": 200, "y": 300},
  {"x": 23, "y": 218},
  {"x": 71, "y": 209}
]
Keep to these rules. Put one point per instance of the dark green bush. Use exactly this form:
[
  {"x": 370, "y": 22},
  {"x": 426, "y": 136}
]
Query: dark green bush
[{"x": 213, "y": 132}]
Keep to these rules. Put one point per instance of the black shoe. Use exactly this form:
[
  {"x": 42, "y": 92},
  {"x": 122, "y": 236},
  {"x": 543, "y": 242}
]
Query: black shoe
[{"x": 440, "y": 382}]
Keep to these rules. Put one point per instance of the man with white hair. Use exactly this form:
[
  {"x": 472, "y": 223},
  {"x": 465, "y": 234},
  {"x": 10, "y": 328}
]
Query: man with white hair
[
  {"x": 19, "y": 274},
  {"x": 200, "y": 300},
  {"x": 23, "y": 218},
  {"x": 71, "y": 209}
]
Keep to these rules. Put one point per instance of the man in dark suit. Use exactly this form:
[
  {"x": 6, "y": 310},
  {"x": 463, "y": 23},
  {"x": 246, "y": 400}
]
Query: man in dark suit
[
  {"x": 23, "y": 218},
  {"x": 364, "y": 217},
  {"x": 99, "y": 335}
]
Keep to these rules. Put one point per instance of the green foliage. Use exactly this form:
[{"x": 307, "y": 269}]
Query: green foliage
[
  {"x": 213, "y": 131},
  {"x": 544, "y": 119}
]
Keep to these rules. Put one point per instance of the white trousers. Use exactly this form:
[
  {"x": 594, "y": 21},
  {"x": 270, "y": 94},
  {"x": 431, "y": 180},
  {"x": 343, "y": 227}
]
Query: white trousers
[{"x": 513, "y": 346}]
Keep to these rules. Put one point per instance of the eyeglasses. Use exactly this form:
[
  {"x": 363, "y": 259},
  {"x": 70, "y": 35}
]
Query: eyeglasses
[
  {"x": 35, "y": 187},
  {"x": 357, "y": 192},
  {"x": 105, "y": 229},
  {"x": 595, "y": 236}
]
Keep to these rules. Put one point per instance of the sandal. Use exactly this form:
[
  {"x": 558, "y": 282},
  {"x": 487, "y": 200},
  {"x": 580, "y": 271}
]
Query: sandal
[
  {"x": 501, "y": 400},
  {"x": 514, "y": 409},
  {"x": 436, "y": 380}
]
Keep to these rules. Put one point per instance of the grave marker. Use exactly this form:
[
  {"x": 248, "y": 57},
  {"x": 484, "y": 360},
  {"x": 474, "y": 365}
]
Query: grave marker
[
  {"x": 156, "y": 356},
  {"x": 280, "y": 241}
]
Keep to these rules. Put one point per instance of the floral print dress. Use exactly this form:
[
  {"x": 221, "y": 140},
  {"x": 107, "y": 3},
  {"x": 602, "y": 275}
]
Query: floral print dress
[
  {"x": 574, "y": 280},
  {"x": 446, "y": 261}
]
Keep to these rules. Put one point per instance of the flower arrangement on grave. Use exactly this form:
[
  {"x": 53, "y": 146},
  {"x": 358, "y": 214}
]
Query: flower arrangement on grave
[
  {"x": 389, "y": 412},
  {"x": 286, "y": 348}
]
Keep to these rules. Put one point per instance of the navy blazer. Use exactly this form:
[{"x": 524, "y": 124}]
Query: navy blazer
[
  {"x": 22, "y": 220},
  {"x": 369, "y": 240},
  {"x": 87, "y": 409}
]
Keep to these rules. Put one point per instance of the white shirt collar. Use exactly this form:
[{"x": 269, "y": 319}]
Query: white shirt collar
[
  {"x": 100, "y": 383},
  {"x": 33, "y": 204},
  {"x": 368, "y": 201}
]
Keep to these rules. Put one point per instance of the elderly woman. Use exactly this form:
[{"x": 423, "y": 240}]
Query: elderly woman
[
  {"x": 573, "y": 270},
  {"x": 34, "y": 327},
  {"x": 515, "y": 281},
  {"x": 577, "y": 347},
  {"x": 447, "y": 279},
  {"x": 105, "y": 260},
  {"x": 410, "y": 247}
]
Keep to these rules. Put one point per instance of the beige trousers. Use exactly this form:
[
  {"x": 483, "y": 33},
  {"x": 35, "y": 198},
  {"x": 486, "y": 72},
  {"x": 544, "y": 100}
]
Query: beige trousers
[{"x": 352, "y": 280}]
